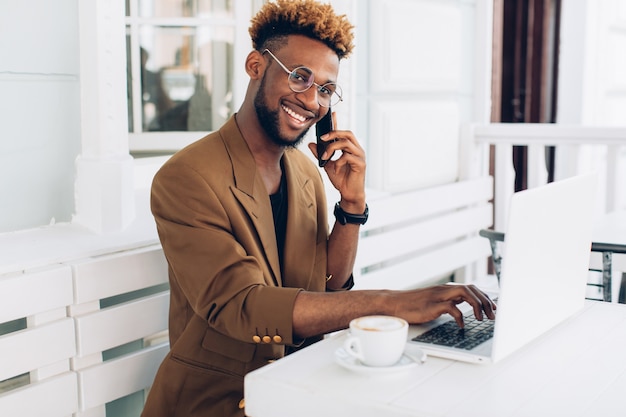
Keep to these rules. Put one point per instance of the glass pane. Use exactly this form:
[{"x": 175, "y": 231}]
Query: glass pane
[
  {"x": 186, "y": 77},
  {"x": 184, "y": 8}
]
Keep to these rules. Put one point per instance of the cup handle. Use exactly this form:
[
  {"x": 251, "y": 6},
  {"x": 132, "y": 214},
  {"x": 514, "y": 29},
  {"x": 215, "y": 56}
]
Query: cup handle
[{"x": 352, "y": 346}]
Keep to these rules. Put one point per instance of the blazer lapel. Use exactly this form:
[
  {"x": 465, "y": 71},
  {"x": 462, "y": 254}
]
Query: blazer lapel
[
  {"x": 301, "y": 225},
  {"x": 252, "y": 194}
]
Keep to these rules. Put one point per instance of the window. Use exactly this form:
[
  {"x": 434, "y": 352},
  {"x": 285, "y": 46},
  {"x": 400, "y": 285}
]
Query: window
[{"x": 180, "y": 70}]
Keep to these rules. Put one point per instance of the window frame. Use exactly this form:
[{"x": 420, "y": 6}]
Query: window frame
[{"x": 141, "y": 142}]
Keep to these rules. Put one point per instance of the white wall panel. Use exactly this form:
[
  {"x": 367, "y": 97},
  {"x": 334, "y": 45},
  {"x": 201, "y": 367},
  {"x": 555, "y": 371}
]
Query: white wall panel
[
  {"x": 617, "y": 59},
  {"x": 38, "y": 36},
  {"x": 415, "y": 143},
  {"x": 416, "y": 47},
  {"x": 40, "y": 111},
  {"x": 428, "y": 71},
  {"x": 38, "y": 149},
  {"x": 592, "y": 85}
]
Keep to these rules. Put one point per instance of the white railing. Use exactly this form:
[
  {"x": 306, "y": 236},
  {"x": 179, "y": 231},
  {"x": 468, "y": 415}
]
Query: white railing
[{"x": 579, "y": 149}]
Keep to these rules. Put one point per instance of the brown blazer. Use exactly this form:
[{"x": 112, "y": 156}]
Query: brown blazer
[{"x": 231, "y": 307}]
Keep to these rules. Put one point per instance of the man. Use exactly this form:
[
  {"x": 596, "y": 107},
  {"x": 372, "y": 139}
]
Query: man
[{"x": 241, "y": 215}]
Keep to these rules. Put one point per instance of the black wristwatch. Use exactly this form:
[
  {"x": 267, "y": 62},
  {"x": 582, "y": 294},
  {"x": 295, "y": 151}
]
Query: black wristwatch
[{"x": 343, "y": 217}]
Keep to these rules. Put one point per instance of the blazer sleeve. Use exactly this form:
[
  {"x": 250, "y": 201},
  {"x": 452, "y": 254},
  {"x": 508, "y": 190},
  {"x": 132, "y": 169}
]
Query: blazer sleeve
[{"x": 217, "y": 264}]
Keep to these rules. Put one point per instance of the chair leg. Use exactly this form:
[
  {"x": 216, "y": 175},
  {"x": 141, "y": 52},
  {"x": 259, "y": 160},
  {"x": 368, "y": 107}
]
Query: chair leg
[
  {"x": 607, "y": 266},
  {"x": 497, "y": 259}
]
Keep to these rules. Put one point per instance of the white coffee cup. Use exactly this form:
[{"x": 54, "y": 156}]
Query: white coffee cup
[{"x": 377, "y": 340}]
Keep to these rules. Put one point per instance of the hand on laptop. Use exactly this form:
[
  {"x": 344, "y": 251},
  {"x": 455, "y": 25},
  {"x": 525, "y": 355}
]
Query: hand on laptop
[{"x": 426, "y": 304}]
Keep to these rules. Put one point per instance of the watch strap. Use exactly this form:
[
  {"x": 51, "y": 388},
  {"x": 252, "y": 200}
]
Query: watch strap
[{"x": 344, "y": 217}]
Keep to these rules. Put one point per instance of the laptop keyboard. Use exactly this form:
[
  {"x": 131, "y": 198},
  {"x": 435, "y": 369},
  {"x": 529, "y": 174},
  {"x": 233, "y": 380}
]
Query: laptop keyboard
[{"x": 450, "y": 334}]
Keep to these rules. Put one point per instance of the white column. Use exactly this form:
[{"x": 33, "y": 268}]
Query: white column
[{"x": 104, "y": 189}]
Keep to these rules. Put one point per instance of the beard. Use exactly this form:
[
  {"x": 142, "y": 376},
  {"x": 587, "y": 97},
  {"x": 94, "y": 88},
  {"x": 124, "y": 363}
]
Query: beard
[{"x": 270, "y": 121}]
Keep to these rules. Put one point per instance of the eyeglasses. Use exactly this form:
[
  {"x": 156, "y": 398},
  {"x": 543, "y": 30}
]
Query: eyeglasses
[{"x": 301, "y": 79}]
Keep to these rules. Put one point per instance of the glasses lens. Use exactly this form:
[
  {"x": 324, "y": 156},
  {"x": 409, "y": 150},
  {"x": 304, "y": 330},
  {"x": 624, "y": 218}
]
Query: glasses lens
[
  {"x": 300, "y": 79},
  {"x": 329, "y": 94}
]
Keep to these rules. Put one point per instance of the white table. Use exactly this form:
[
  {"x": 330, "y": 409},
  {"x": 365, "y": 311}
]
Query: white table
[{"x": 577, "y": 369}]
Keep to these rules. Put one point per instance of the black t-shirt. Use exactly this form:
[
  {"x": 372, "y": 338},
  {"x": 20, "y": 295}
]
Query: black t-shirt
[{"x": 279, "y": 209}]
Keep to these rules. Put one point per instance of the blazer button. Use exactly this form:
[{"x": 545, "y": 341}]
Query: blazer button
[
  {"x": 266, "y": 339},
  {"x": 242, "y": 404},
  {"x": 256, "y": 338},
  {"x": 277, "y": 339}
]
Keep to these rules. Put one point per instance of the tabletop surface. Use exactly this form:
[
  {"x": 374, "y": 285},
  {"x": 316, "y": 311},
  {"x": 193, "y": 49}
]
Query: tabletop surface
[{"x": 576, "y": 369}]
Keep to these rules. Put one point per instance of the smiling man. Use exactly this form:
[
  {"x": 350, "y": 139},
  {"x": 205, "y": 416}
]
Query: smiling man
[{"x": 242, "y": 218}]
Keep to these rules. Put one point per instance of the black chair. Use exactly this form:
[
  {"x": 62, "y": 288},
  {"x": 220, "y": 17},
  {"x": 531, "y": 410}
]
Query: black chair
[{"x": 606, "y": 249}]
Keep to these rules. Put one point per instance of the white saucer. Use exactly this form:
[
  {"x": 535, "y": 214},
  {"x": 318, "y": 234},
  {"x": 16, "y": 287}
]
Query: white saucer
[{"x": 353, "y": 364}]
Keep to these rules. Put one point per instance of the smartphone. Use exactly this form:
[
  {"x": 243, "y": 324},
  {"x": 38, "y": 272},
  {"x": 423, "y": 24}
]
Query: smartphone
[{"x": 322, "y": 127}]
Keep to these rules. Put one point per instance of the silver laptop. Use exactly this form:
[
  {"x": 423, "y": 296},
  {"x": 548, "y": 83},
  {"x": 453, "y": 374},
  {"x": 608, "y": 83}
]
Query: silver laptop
[{"x": 544, "y": 270}]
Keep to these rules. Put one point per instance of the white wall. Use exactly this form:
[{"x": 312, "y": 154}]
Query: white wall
[
  {"x": 424, "y": 70},
  {"x": 592, "y": 84},
  {"x": 592, "y": 67},
  {"x": 39, "y": 111}
]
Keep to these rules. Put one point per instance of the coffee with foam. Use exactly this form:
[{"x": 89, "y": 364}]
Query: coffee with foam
[
  {"x": 379, "y": 323},
  {"x": 377, "y": 340}
]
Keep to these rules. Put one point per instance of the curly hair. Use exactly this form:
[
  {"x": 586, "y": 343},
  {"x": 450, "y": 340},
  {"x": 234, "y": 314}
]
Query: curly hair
[{"x": 310, "y": 18}]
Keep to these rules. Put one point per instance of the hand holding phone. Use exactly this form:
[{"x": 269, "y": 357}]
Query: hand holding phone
[{"x": 322, "y": 127}]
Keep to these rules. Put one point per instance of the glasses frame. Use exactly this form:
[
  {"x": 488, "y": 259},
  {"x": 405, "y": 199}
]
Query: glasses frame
[{"x": 313, "y": 83}]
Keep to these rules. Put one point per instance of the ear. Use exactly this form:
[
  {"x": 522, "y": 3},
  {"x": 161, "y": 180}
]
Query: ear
[{"x": 255, "y": 65}]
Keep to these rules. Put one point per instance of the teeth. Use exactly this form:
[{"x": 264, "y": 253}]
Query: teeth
[{"x": 294, "y": 114}]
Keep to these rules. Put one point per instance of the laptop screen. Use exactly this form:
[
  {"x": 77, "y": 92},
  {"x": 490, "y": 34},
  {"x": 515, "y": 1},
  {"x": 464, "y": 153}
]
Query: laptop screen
[{"x": 545, "y": 260}]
